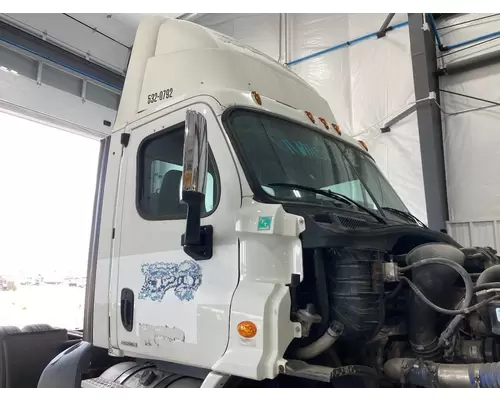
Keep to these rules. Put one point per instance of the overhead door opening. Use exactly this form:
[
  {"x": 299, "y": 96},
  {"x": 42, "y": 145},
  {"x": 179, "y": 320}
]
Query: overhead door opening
[{"x": 48, "y": 179}]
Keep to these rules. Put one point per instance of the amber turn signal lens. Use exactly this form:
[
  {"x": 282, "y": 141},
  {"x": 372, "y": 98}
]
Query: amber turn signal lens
[
  {"x": 310, "y": 116},
  {"x": 337, "y": 128},
  {"x": 256, "y": 97},
  {"x": 362, "y": 143},
  {"x": 247, "y": 329},
  {"x": 323, "y": 121}
]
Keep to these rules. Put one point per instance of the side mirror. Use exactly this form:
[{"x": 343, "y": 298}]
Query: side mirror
[
  {"x": 195, "y": 162},
  {"x": 197, "y": 241}
]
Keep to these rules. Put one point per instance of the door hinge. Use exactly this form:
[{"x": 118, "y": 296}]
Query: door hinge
[
  {"x": 125, "y": 138},
  {"x": 115, "y": 352},
  {"x": 113, "y": 233}
]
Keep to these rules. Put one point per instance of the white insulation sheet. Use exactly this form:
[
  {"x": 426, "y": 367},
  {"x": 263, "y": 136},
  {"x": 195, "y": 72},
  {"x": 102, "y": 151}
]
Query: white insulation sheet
[
  {"x": 365, "y": 83},
  {"x": 471, "y": 139}
]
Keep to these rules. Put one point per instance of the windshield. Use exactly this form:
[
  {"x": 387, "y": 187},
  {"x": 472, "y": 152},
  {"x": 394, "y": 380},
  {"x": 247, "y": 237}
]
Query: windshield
[{"x": 280, "y": 151}]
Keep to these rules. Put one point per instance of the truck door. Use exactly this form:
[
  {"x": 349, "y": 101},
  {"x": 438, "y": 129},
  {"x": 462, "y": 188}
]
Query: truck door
[{"x": 167, "y": 305}]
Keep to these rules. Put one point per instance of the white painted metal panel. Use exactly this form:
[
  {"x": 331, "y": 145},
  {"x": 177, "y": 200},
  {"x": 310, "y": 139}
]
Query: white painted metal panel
[
  {"x": 475, "y": 233},
  {"x": 194, "y": 330}
]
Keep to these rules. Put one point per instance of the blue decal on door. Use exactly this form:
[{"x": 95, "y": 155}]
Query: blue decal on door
[{"x": 183, "y": 278}]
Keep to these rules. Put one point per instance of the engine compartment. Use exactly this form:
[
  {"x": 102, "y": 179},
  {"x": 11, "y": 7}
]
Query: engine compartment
[{"x": 395, "y": 307}]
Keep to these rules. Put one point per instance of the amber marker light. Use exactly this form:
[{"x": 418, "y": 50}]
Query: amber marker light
[
  {"x": 256, "y": 97},
  {"x": 323, "y": 121},
  {"x": 362, "y": 143},
  {"x": 247, "y": 329},
  {"x": 310, "y": 116}
]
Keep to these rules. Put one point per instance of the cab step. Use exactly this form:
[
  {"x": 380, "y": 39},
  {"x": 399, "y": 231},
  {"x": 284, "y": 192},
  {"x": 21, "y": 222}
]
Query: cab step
[{"x": 101, "y": 383}]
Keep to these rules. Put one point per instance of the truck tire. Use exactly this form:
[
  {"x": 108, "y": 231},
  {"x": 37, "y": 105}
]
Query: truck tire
[
  {"x": 7, "y": 330},
  {"x": 37, "y": 328}
]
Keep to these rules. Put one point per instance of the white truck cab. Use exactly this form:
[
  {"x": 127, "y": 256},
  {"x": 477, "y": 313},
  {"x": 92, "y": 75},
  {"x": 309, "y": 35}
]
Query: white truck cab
[{"x": 223, "y": 192}]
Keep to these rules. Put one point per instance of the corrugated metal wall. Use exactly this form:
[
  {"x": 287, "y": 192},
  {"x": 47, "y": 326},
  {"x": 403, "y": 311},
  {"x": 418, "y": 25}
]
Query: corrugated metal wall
[{"x": 475, "y": 233}]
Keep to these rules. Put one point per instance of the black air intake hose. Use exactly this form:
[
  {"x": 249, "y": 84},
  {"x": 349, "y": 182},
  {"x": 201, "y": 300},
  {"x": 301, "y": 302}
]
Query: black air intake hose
[{"x": 434, "y": 281}]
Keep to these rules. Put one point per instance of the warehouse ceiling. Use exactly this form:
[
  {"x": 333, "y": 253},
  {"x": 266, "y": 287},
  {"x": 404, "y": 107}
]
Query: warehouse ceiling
[
  {"x": 104, "y": 39},
  {"x": 107, "y": 23}
]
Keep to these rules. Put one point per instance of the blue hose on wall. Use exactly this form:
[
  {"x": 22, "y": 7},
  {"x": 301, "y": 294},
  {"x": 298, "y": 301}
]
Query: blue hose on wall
[{"x": 346, "y": 44}]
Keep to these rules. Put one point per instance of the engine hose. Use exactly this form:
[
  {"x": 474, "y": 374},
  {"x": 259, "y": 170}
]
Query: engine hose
[
  {"x": 463, "y": 310},
  {"x": 450, "y": 330},
  {"x": 459, "y": 313},
  {"x": 392, "y": 295},
  {"x": 486, "y": 286},
  {"x": 431, "y": 374},
  {"x": 469, "y": 286},
  {"x": 452, "y": 327},
  {"x": 322, "y": 344},
  {"x": 488, "y": 276}
]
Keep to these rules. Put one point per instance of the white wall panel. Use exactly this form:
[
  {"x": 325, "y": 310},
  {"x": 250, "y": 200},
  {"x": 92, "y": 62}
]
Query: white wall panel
[
  {"x": 329, "y": 73},
  {"x": 472, "y": 139},
  {"x": 260, "y": 31},
  {"x": 381, "y": 77},
  {"x": 363, "y": 83}
]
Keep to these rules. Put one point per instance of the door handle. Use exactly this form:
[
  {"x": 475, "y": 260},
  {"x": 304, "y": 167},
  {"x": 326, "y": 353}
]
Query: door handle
[{"x": 127, "y": 309}]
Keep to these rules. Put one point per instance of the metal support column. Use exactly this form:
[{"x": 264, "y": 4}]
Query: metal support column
[
  {"x": 284, "y": 39},
  {"x": 423, "y": 55}
]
